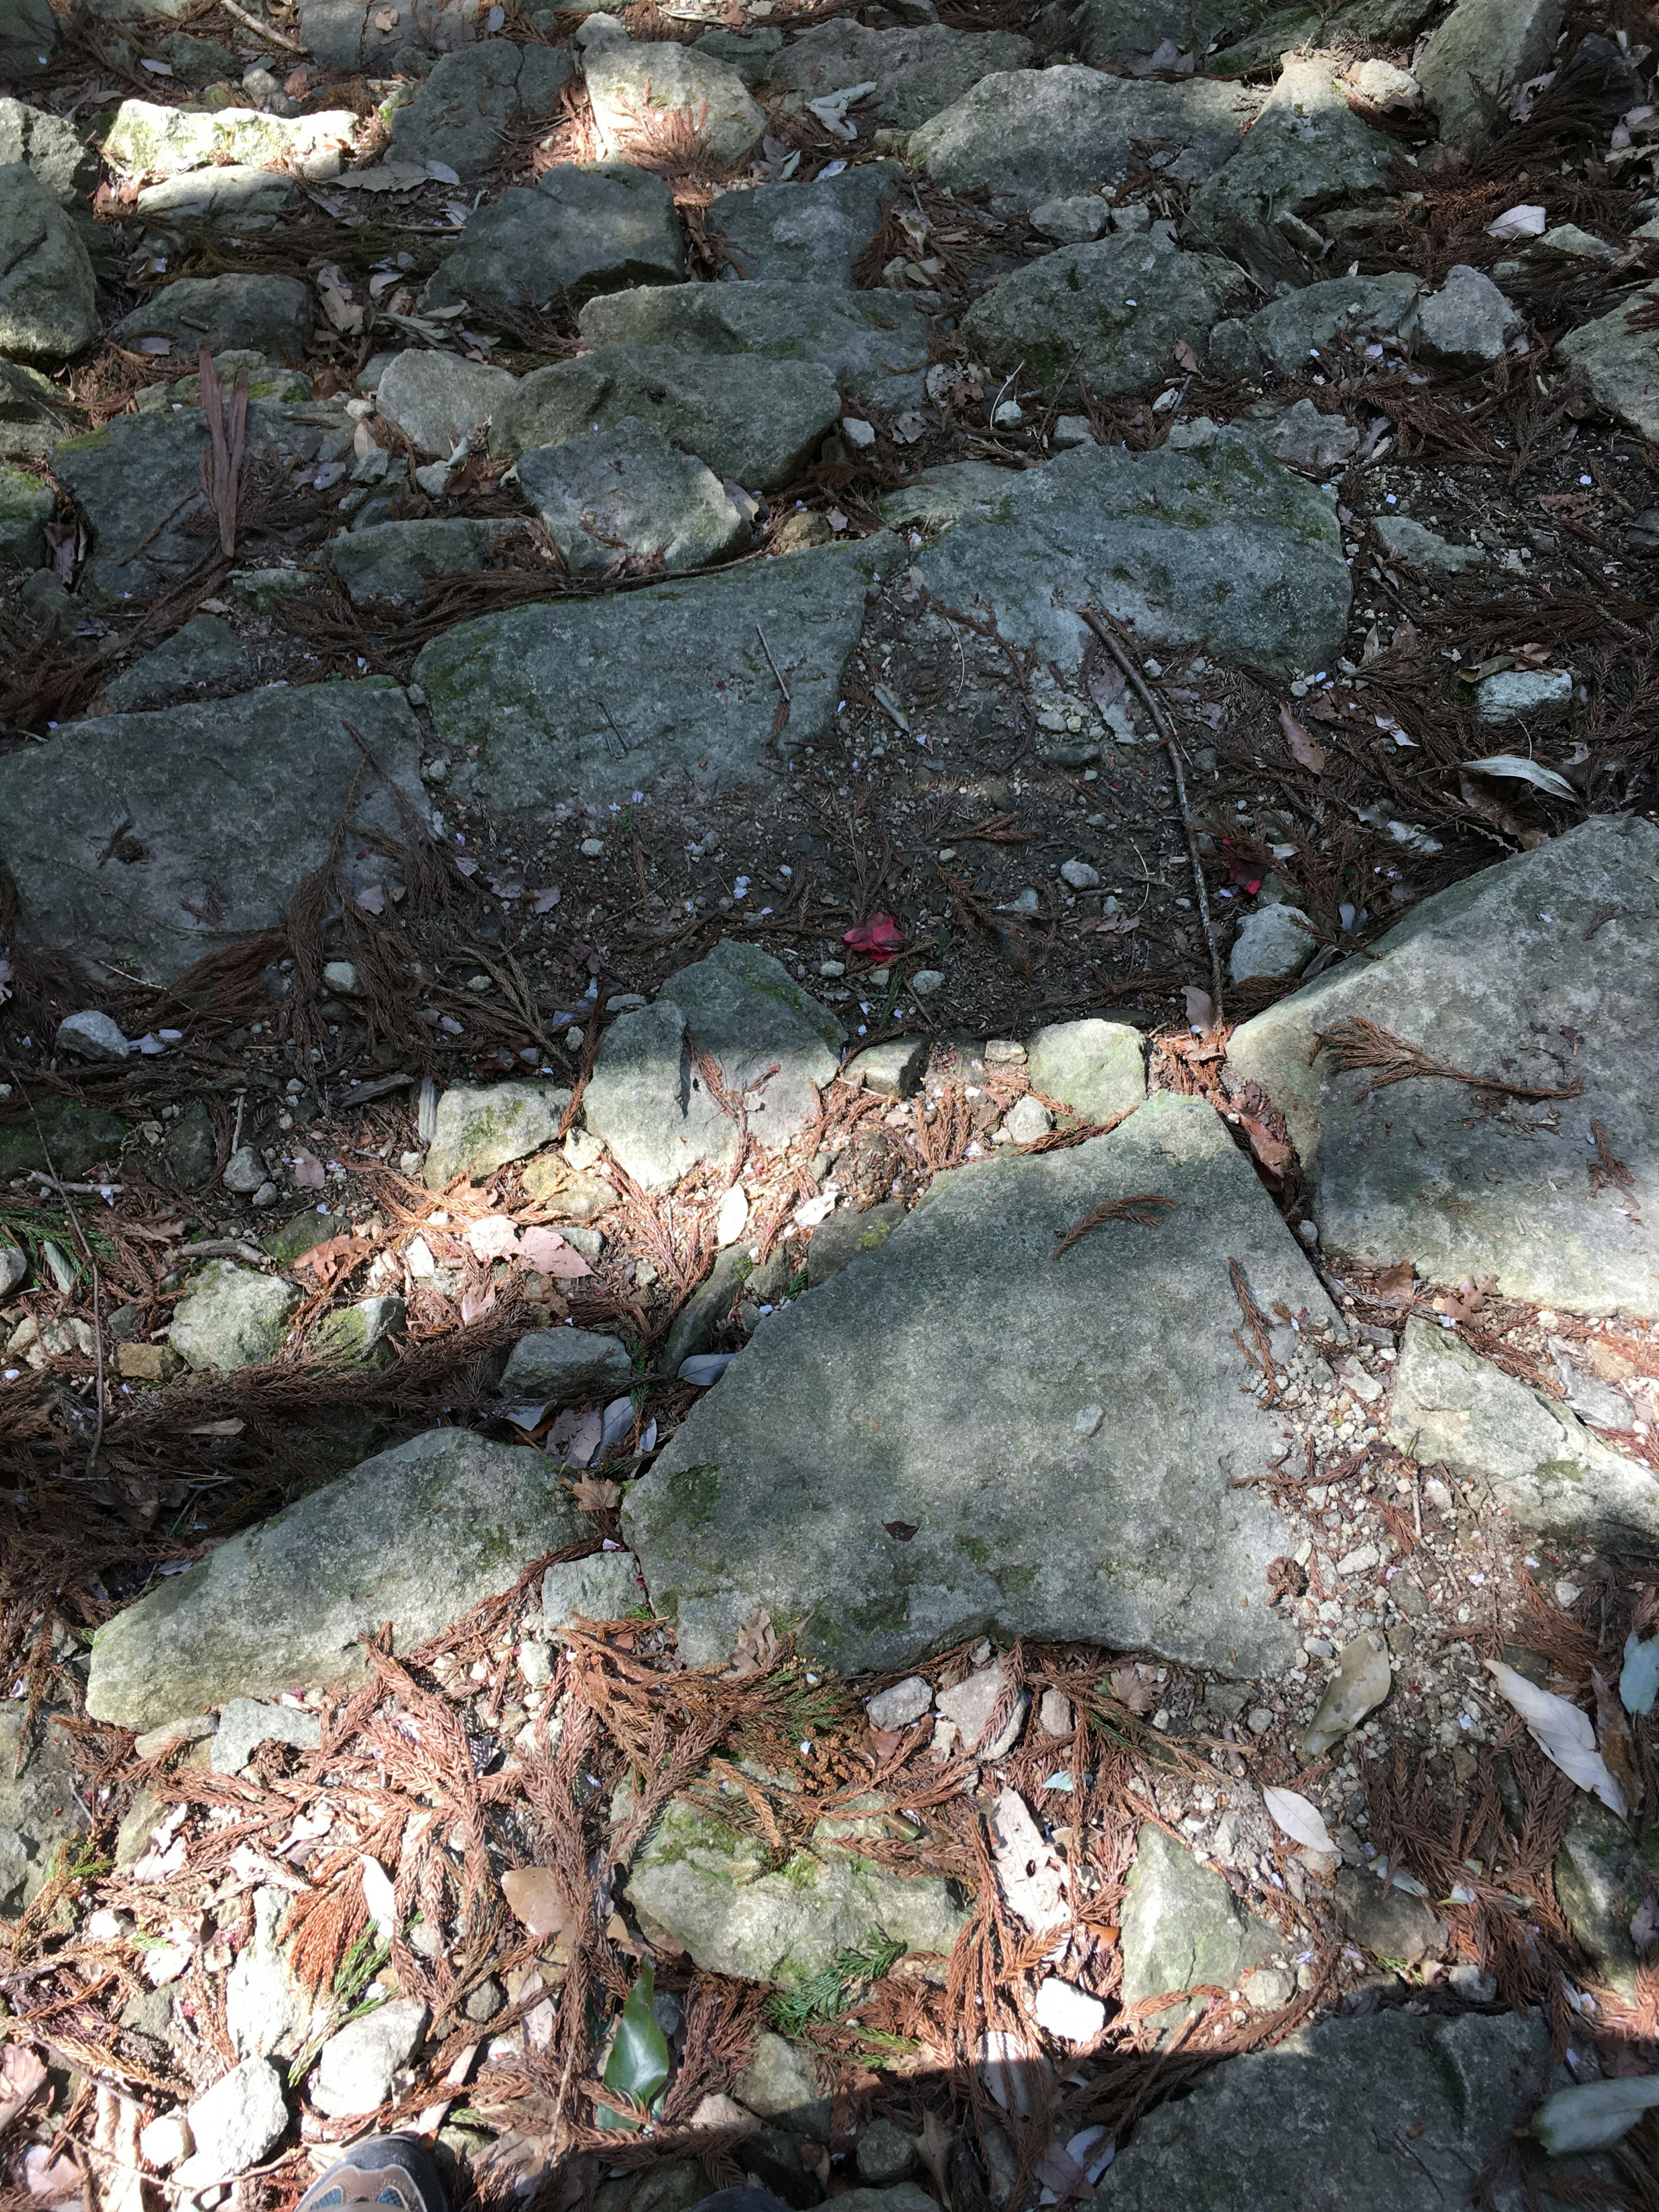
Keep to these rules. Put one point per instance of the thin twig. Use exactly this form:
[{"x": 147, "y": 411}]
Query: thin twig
[
  {"x": 1355, "y": 1044},
  {"x": 277, "y": 38},
  {"x": 81, "y": 1189},
  {"x": 1126, "y": 662},
  {"x": 772, "y": 664}
]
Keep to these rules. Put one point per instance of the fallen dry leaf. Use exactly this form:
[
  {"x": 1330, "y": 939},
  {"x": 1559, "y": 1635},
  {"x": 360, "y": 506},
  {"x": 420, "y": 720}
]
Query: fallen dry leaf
[
  {"x": 476, "y": 1303},
  {"x": 593, "y": 1496},
  {"x": 1185, "y": 356},
  {"x": 1132, "y": 1689},
  {"x": 1304, "y": 752},
  {"x": 1395, "y": 1286},
  {"x": 1562, "y": 1732},
  {"x": 308, "y": 1171},
  {"x": 495, "y": 1238},
  {"x": 1614, "y": 1738},
  {"x": 1299, "y": 1817},
  {"x": 546, "y": 1251},
  {"x": 756, "y": 1646},
  {"x": 534, "y": 1896},
  {"x": 21, "y": 2074}
]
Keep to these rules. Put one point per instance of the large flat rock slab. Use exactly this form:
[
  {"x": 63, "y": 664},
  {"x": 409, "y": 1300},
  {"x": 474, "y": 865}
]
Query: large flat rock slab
[
  {"x": 418, "y": 1535},
  {"x": 463, "y": 111},
  {"x": 811, "y": 234},
  {"x": 1219, "y": 543},
  {"x": 1497, "y": 975},
  {"x": 917, "y": 69},
  {"x": 593, "y": 697},
  {"x": 1062, "y": 1433},
  {"x": 1393, "y": 2113},
  {"x": 1031, "y": 134},
  {"x": 598, "y": 228},
  {"x": 206, "y": 817}
]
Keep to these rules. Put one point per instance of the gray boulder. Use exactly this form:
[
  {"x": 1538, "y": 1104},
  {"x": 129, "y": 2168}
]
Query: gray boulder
[
  {"x": 757, "y": 421},
  {"x": 1544, "y": 1467},
  {"x": 918, "y": 68},
  {"x": 417, "y": 1536},
  {"x": 40, "y": 1803},
  {"x": 638, "y": 90},
  {"x": 1599, "y": 1887},
  {"x": 248, "y": 1723},
  {"x": 1467, "y": 324},
  {"x": 237, "y": 197},
  {"x": 795, "y": 234},
  {"x": 437, "y": 399},
  {"x": 222, "y": 827},
  {"x": 1183, "y": 1927},
  {"x": 462, "y": 112},
  {"x": 233, "y": 2125},
  {"x": 1096, "y": 1068},
  {"x": 62, "y": 1137},
  {"x": 1107, "y": 315},
  {"x": 646, "y": 1099},
  {"x": 604, "y": 1586},
  {"x": 555, "y": 1366},
  {"x": 862, "y": 1381},
  {"x": 28, "y": 37},
  {"x": 1134, "y": 30},
  {"x": 274, "y": 314},
  {"x": 479, "y": 1130},
  {"x": 1285, "y": 333},
  {"x": 1488, "y": 977},
  {"x": 52, "y": 148},
  {"x": 711, "y": 1888},
  {"x": 362, "y": 35},
  {"x": 1480, "y": 58},
  {"x": 1318, "y": 2121},
  {"x": 1619, "y": 365},
  {"x": 601, "y": 228},
  {"x": 1362, "y": 26},
  {"x": 355, "y": 2066},
  {"x": 48, "y": 295},
  {"x": 626, "y": 494},
  {"x": 206, "y": 650},
  {"x": 778, "y": 2083},
  {"x": 31, "y": 423},
  {"x": 1391, "y": 1922},
  {"x": 1217, "y": 543},
  {"x": 1302, "y": 438},
  {"x": 232, "y": 1317},
  {"x": 1306, "y": 150},
  {"x": 537, "y": 690},
  {"x": 397, "y": 560},
  {"x": 1033, "y": 134},
  {"x": 873, "y": 344},
  {"x": 774, "y": 1045},
  {"x": 846, "y": 1235}
]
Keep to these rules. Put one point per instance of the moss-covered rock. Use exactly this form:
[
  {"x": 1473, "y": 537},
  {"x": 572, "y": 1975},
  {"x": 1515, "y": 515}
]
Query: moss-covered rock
[
  {"x": 232, "y": 1317},
  {"x": 61, "y": 1136},
  {"x": 480, "y": 1129}
]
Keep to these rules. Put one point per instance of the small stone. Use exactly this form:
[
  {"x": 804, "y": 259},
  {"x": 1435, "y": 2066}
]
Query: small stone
[
  {"x": 1473, "y": 1983},
  {"x": 1542, "y": 694},
  {"x": 970, "y": 1705},
  {"x": 342, "y": 979},
  {"x": 893, "y": 1068},
  {"x": 1070, "y": 430},
  {"x": 1381, "y": 84},
  {"x": 1260, "y": 1720},
  {"x": 234, "y": 2125},
  {"x": 1027, "y": 1121},
  {"x": 857, "y": 433},
  {"x": 355, "y": 2068},
  {"x": 485, "y": 2002},
  {"x": 886, "y": 2153},
  {"x": 165, "y": 2142},
  {"x": 604, "y": 1586},
  {"x": 1068, "y": 2013},
  {"x": 1268, "y": 1989},
  {"x": 1389, "y": 1924},
  {"x": 232, "y": 1317},
  {"x": 555, "y": 1366},
  {"x": 1081, "y": 876},
  {"x": 1274, "y": 940},
  {"x": 93, "y": 1036},
  {"x": 1467, "y": 322},
  {"x": 924, "y": 982},
  {"x": 905, "y": 1703},
  {"x": 244, "y": 1172},
  {"x": 778, "y": 2085},
  {"x": 477, "y": 1130},
  {"x": 246, "y": 1723},
  {"x": 592, "y": 847},
  {"x": 1054, "y": 1713}
]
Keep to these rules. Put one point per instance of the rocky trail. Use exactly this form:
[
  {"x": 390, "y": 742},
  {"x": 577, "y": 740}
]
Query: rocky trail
[{"x": 829, "y": 1305}]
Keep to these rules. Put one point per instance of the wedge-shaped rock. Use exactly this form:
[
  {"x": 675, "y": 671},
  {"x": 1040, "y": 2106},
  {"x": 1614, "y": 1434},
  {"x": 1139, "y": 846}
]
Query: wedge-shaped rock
[
  {"x": 1306, "y": 150},
  {"x": 1499, "y": 976},
  {"x": 1544, "y": 1467},
  {"x": 463, "y": 111},
  {"x": 1479, "y": 58},
  {"x": 28, "y": 37},
  {"x": 598, "y": 229},
  {"x": 628, "y": 494},
  {"x": 537, "y": 689},
  {"x": 758, "y": 420},
  {"x": 1324, "y": 2113},
  {"x": 399, "y": 559},
  {"x": 1284, "y": 334},
  {"x": 48, "y": 296},
  {"x": 1183, "y": 1928},
  {"x": 479, "y": 1129},
  {"x": 1033, "y": 134},
  {"x": 238, "y": 197},
  {"x": 640, "y": 93},
  {"x": 47, "y": 145},
  {"x": 1619, "y": 365},
  {"x": 416, "y": 1536},
  {"x": 273, "y": 314},
  {"x": 1219, "y": 542},
  {"x": 30, "y": 421},
  {"x": 1079, "y": 1486},
  {"x": 873, "y": 344},
  {"x": 796, "y": 233},
  {"x": 437, "y": 399},
  {"x": 918, "y": 69},
  {"x": 710, "y": 1888},
  {"x": 226, "y": 806},
  {"x": 1107, "y": 315}
]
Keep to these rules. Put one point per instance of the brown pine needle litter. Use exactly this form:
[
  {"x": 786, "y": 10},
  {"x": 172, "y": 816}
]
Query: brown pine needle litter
[
  {"x": 1355, "y": 1044},
  {"x": 1142, "y": 1208}
]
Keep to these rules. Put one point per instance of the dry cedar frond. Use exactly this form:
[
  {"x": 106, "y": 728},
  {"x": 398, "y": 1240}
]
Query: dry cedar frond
[
  {"x": 1355, "y": 1044},
  {"x": 1141, "y": 1209}
]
